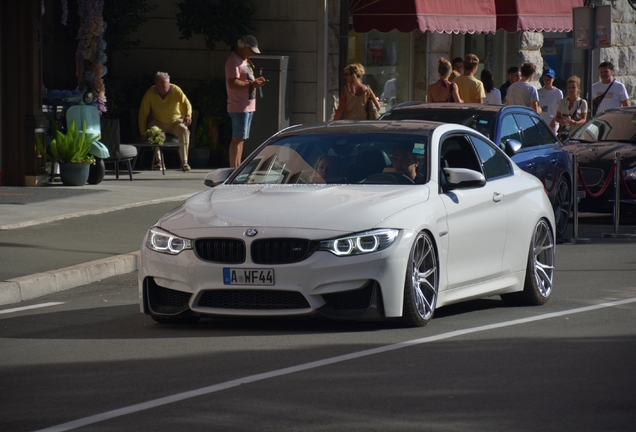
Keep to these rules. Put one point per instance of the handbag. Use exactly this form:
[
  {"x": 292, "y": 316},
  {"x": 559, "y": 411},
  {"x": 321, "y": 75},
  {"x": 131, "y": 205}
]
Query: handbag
[
  {"x": 596, "y": 102},
  {"x": 372, "y": 111}
]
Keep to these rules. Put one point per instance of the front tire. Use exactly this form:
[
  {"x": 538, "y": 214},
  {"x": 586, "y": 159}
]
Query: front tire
[
  {"x": 422, "y": 283},
  {"x": 539, "y": 271}
]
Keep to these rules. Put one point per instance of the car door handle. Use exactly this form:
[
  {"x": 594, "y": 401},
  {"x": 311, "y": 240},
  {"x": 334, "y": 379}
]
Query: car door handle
[
  {"x": 496, "y": 196},
  {"x": 530, "y": 165}
]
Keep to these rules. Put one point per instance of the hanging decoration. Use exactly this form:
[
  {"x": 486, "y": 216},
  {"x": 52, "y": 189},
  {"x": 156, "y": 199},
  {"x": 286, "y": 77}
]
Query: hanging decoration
[{"x": 91, "y": 56}]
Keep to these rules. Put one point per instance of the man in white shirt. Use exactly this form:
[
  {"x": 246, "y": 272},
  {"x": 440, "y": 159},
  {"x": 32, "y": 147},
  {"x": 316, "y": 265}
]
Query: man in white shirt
[
  {"x": 522, "y": 92},
  {"x": 549, "y": 97},
  {"x": 614, "y": 91}
]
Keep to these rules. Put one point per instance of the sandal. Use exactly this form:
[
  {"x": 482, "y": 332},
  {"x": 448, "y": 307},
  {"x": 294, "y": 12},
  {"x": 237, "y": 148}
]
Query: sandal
[
  {"x": 186, "y": 167},
  {"x": 158, "y": 166}
]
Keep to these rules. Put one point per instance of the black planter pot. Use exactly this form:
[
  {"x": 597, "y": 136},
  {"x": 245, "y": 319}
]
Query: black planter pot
[
  {"x": 74, "y": 174},
  {"x": 96, "y": 172}
]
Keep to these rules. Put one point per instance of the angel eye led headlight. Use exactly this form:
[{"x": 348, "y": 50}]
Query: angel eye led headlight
[
  {"x": 361, "y": 243},
  {"x": 164, "y": 242}
]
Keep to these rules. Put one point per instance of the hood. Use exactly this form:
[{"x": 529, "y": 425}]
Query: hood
[
  {"x": 346, "y": 208},
  {"x": 602, "y": 154}
]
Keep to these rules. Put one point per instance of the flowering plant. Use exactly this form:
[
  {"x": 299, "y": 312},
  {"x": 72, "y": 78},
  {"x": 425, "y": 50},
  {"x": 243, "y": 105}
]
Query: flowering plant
[{"x": 155, "y": 136}]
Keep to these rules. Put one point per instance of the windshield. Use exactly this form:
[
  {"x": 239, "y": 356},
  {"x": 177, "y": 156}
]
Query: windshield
[
  {"x": 617, "y": 125},
  {"x": 480, "y": 121},
  {"x": 378, "y": 158}
]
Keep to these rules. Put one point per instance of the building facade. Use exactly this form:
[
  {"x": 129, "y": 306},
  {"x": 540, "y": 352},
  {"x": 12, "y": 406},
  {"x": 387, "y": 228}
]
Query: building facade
[{"x": 400, "y": 59}]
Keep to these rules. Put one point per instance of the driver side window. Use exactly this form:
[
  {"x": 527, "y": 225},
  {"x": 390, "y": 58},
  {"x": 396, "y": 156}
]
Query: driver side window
[{"x": 494, "y": 162}]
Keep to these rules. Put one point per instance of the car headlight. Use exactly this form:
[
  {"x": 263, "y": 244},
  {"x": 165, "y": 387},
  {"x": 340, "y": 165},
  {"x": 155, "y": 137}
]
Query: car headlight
[
  {"x": 164, "y": 242},
  {"x": 360, "y": 243},
  {"x": 630, "y": 174}
]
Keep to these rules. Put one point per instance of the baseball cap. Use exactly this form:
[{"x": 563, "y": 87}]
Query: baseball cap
[
  {"x": 251, "y": 42},
  {"x": 548, "y": 72}
]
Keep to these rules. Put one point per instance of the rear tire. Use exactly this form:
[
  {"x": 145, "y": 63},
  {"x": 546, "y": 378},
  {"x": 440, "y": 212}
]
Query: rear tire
[
  {"x": 539, "y": 271},
  {"x": 562, "y": 207},
  {"x": 422, "y": 283}
]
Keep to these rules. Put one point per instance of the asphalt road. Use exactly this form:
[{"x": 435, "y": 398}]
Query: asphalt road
[{"x": 93, "y": 362}]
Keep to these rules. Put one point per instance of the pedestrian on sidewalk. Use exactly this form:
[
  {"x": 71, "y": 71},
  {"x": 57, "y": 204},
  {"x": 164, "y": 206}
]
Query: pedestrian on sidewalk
[
  {"x": 607, "y": 92},
  {"x": 493, "y": 95},
  {"x": 513, "y": 76},
  {"x": 354, "y": 96},
  {"x": 471, "y": 90},
  {"x": 241, "y": 86},
  {"x": 522, "y": 92},
  {"x": 443, "y": 90},
  {"x": 571, "y": 110},
  {"x": 170, "y": 111},
  {"x": 549, "y": 97}
]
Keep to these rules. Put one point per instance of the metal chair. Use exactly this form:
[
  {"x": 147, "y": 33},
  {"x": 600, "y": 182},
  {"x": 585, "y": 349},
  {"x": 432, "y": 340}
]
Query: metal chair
[{"x": 118, "y": 152}]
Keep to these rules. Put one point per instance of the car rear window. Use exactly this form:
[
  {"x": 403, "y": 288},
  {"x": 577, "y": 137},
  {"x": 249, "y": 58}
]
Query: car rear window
[{"x": 482, "y": 122}]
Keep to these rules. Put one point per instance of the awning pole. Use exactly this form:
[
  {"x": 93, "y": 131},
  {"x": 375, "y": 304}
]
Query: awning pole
[{"x": 344, "y": 42}]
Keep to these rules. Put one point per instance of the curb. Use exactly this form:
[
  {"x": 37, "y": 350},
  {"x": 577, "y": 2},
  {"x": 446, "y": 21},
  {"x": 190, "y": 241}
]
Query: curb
[{"x": 29, "y": 287}]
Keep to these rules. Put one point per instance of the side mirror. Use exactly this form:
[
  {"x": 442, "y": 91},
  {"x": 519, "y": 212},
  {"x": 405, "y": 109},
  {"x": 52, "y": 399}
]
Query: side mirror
[
  {"x": 462, "y": 178},
  {"x": 217, "y": 176},
  {"x": 511, "y": 147}
]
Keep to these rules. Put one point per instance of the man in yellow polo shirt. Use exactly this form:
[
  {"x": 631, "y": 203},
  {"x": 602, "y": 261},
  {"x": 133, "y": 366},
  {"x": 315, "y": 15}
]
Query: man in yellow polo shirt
[
  {"x": 471, "y": 90},
  {"x": 170, "y": 111}
]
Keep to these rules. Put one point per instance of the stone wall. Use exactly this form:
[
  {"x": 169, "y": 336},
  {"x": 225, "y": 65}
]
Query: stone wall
[
  {"x": 623, "y": 52},
  {"x": 530, "y": 44}
]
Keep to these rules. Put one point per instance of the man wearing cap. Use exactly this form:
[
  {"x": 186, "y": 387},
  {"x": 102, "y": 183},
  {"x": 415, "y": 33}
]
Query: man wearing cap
[
  {"x": 549, "y": 97},
  {"x": 610, "y": 93},
  {"x": 241, "y": 94}
]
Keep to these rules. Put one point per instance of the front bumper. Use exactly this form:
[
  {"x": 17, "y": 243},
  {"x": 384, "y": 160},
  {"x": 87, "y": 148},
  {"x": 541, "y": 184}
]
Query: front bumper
[{"x": 353, "y": 287}]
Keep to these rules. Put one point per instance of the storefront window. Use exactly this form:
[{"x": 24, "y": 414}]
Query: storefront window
[
  {"x": 488, "y": 47},
  {"x": 559, "y": 54},
  {"x": 385, "y": 57}
]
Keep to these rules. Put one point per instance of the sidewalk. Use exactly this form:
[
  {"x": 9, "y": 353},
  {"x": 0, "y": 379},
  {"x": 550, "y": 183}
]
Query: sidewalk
[{"x": 41, "y": 227}]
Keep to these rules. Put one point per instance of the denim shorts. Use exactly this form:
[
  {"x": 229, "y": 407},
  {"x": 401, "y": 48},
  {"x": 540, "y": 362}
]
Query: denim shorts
[{"x": 241, "y": 123}]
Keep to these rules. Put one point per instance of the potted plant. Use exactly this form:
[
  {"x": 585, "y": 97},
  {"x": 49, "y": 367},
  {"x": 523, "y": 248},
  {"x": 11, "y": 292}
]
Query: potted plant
[{"x": 71, "y": 151}]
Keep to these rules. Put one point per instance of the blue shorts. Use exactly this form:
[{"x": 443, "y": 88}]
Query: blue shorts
[{"x": 241, "y": 123}]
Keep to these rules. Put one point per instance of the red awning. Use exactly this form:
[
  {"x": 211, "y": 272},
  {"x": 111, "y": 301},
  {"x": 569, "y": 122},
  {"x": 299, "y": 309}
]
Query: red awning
[
  {"x": 535, "y": 15},
  {"x": 443, "y": 16}
]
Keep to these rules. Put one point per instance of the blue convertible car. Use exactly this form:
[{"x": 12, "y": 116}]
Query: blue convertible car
[{"x": 520, "y": 132}]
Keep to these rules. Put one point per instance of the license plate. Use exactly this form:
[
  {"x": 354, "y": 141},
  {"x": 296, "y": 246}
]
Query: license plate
[{"x": 240, "y": 276}]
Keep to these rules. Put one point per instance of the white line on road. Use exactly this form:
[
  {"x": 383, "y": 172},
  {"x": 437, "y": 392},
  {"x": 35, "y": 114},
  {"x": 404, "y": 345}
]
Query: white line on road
[
  {"x": 23, "y": 308},
  {"x": 312, "y": 365}
]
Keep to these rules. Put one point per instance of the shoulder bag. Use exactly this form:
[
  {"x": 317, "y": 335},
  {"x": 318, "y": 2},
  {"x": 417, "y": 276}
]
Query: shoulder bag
[
  {"x": 372, "y": 111},
  {"x": 596, "y": 102}
]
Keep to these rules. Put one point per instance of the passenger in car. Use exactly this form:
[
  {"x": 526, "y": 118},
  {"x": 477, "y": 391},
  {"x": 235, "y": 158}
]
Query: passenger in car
[{"x": 327, "y": 169}]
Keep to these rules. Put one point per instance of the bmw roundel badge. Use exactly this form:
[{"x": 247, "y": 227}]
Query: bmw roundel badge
[{"x": 251, "y": 232}]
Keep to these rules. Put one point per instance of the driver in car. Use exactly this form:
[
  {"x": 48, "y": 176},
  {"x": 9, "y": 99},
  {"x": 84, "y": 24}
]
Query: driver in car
[{"x": 405, "y": 162}]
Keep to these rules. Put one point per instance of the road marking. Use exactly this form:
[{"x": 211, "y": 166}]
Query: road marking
[
  {"x": 23, "y": 308},
  {"x": 109, "y": 415}
]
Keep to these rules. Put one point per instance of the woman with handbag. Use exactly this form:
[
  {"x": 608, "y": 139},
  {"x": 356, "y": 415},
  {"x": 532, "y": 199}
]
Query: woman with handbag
[
  {"x": 357, "y": 100},
  {"x": 443, "y": 90},
  {"x": 571, "y": 110}
]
